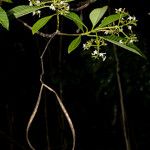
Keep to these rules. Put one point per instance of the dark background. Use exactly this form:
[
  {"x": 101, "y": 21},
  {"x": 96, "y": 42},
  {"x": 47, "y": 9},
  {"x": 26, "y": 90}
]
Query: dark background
[{"x": 88, "y": 88}]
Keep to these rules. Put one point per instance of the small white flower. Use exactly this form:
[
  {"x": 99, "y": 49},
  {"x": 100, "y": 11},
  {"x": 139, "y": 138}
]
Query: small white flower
[
  {"x": 34, "y": 13},
  {"x": 62, "y": 2},
  {"x": 103, "y": 56},
  {"x": 39, "y": 13},
  {"x": 130, "y": 27},
  {"x": 52, "y": 7},
  {"x": 119, "y": 10},
  {"x": 120, "y": 41},
  {"x": 131, "y": 41},
  {"x": 106, "y": 32},
  {"x": 95, "y": 53},
  {"x": 132, "y": 18},
  {"x": 84, "y": 46},
  {"x": 68, "y": 7},
  {"x": 30, "y": 3},
  {"x": 37, "y": 2}
]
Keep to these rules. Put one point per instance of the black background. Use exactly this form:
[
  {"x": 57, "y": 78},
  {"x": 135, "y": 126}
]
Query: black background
[{"x": 90, "y": 91}]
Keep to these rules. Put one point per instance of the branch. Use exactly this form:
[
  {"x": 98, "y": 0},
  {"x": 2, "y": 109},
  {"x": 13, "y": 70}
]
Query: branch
[
  {"x": 57, "y": 98},
  {"x": 83, "y": 5},
  {"x": 39, "y": 33},
  {"x": 47, "y": 35}
]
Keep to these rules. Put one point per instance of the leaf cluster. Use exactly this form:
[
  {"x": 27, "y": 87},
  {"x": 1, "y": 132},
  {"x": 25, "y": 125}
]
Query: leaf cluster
[{"x": 111, "y": 25}]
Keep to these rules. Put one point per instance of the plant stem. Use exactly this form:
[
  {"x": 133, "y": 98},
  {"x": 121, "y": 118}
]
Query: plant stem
[{"x": 58, "y": 22}]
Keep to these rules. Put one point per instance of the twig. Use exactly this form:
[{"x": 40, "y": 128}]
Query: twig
[
  {"x": 83, "y": 5},
  {"x": 32, "y": 117},
  {"x": 39, "y": 99},
  {"x": 47, "y": 35},
  {"x": 42, "y": 55},
  {"x": 39, "y": 33},
  {"x": 65, "y": 113}
]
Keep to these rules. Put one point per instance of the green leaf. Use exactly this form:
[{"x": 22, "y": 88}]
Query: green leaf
[
  {"x": 4, "y": 19},
  {"x": 76, "y": 19},
  {"x": 40, "y": 23},
  {"x": 74, "y": 44},
  {"x": 7, "y": 1},
  {"x": 110, "y": 19},
  {"x": 23, "y": 10},
  {"x": 131, "y": 47},
  {"x": 97, "y": 14}
]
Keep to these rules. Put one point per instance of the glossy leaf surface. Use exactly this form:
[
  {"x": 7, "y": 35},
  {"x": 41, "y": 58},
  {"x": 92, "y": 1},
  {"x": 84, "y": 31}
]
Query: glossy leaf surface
[
  {"x": 40, "y": 23},
  {"x": 4, "y": 19},
  {"x": 74, "y": 44},
  {"x": 97, "y": 14}
]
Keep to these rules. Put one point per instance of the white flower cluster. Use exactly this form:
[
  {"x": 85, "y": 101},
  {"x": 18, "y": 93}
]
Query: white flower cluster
[
  {"x": 132, "y": 18},
  {"x": 96, "y": 54},
  {"x": 132, "y": 38},
  {"x": 35, "y": 3},
  {"x": 96, "y": 44},
  {"x": 120, "y": 27},
  {"x": 126, "y": 22},
  {"x": 88, "y": 44},
  {"x": 120, "y": 10},
  {"x": 61, "y": 6}
]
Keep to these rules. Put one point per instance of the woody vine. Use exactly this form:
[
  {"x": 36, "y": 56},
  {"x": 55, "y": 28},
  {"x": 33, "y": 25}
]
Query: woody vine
[{"x": 116, "y": 28}]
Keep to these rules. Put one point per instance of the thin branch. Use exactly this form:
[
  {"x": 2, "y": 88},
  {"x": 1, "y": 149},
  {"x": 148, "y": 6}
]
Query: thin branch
[
  {"x": 39, "y": 99},
  {"x": 40, "y": 94},
  {"x": 123, "y": 112},
  {"x": 39, "y": 33},
  {"x": 32, "y": 117},
  {"x": 42, "y": 55},
  {"x": 50, "y": 34},
  {"x": 65, "y": 113},
  {"x": 83, "y": 5}
]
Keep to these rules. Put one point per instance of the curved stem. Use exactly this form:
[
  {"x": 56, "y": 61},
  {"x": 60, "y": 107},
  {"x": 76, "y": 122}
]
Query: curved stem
[{"x": 39, "y": 100}]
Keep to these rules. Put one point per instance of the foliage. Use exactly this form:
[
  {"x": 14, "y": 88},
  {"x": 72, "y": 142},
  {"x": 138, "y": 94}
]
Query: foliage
[
  {"x": 4, "y": 19},
  {"x": 115, "y": 28},
  {"x": 3, "y": 15}
]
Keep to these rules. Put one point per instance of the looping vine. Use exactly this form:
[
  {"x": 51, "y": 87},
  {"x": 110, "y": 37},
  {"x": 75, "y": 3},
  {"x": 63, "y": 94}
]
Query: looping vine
[{"x": 44, "y": 85}]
